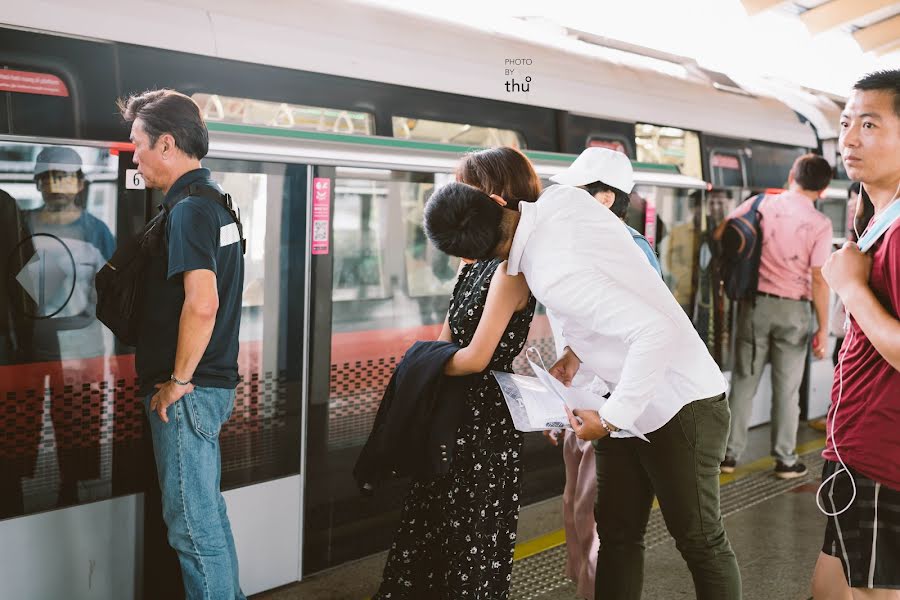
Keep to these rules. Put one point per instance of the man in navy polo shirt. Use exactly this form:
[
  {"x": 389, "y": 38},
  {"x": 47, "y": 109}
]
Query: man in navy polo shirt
[{"x": 188, "y": 339}]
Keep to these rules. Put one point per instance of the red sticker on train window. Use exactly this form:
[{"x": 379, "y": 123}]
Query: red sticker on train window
[
  {"x": 726, "y": 161},
  {"x": 321, "y": 215},
  {"x": 26, "y": 82},
  {"x": 609, "y": 144}
]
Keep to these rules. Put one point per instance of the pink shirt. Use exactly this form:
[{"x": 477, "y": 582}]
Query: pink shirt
[{"x": 796, "y": 238}]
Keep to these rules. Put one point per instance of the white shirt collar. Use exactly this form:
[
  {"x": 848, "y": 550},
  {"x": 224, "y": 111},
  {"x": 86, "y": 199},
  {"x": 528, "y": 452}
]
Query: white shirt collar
[{"x": 527, "y": 220}]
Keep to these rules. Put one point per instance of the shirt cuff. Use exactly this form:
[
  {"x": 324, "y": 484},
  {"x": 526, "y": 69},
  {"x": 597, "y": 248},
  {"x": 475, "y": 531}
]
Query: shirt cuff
[
  {"x": 624, "y": 433},
  {"x": 617, "y": 414}
]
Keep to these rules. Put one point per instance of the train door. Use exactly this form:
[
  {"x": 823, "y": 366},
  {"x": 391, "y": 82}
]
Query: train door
[
  {"x": 75, "y": 520},
  {"x": 377, "y": 287},
  {"x": 675, "y": 222},
  {"x": 729, "y": 170}
]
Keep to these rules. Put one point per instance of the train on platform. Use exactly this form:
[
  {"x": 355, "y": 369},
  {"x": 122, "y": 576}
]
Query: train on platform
[{"x": 330, "y": 125}]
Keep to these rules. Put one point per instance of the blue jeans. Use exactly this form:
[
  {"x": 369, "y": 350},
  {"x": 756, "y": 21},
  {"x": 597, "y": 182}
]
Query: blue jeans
[{"x": 190, "y": 468}]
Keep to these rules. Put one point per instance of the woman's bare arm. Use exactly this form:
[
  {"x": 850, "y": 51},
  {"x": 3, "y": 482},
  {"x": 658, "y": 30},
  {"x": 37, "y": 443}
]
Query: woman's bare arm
[{"x": 506, "y": 296}]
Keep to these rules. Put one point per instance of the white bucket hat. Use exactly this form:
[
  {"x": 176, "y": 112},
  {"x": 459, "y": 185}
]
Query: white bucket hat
[{"x": 599, "y": 164}]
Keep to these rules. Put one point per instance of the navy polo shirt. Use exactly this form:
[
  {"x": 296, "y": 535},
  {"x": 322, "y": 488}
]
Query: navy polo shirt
[{"x": 201, "y": 235}]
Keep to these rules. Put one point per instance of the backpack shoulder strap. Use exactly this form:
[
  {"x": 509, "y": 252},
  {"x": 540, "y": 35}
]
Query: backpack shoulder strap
[
  {"x": 757, "y": 201},
  {"x": 204, "y": 190}
]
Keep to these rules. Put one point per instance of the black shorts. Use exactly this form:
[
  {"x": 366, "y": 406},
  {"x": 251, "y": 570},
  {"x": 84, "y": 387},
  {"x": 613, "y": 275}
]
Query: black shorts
[{"x": 866, "y": 537}]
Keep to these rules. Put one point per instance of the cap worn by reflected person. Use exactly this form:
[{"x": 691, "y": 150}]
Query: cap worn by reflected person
[
  {"x": 57, "y": 158},
  {"x": 599, "y": 164}
]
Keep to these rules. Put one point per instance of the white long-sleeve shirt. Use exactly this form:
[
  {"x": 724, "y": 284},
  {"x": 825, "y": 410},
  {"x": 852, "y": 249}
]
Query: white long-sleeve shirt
[{"x": 612, "y": 309}]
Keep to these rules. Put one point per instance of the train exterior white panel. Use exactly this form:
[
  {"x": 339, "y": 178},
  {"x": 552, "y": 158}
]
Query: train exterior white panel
[
  {"x": 80, "y": 553},
  {"x": 375, "y": 44}
]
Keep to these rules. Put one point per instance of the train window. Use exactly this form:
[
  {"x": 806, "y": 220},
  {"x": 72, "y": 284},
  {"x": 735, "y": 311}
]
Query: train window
[
  {"x": 836, "y": 210},
  {"x": 281, "y": 114},
  {"x": 383, "y": 263},
  {"x": 455, "y": 133},
  {"x": 726, "y": 169},
  {"x": 360, "y": 211},
  {"x": 429, "y": 272},
  {"x": 262, "y": 438},
  {"x": 617, "y": 145},
  {"x": 841, "y": 209},
  {"x": 58, "y": 215},
  {"x": 669, "y": 146}
]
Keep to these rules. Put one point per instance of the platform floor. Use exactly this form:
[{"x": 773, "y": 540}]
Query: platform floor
[{"x": 774, "y": 526}]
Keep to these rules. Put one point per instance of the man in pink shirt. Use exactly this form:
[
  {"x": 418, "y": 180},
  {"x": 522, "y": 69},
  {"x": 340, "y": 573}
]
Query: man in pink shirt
[{"x": 774, "y": 327}]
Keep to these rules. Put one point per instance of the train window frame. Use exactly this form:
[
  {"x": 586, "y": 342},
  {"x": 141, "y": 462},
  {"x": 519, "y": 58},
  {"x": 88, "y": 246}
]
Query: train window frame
[
  {"x": 339, "y": 120},
  {"x": 730, "y": 152},
  {"x": 402, "y": 121},
  {"x": 692, "y": 162}
]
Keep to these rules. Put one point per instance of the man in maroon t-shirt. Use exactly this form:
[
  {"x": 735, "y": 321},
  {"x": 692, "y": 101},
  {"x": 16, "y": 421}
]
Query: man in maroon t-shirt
[{"x": 862, "y": 537}]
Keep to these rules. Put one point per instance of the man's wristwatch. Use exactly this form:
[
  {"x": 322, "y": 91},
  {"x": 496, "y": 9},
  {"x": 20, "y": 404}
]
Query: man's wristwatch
[
  {"x": 609, "y": 428},
  {"x": 178, "y": 381}
]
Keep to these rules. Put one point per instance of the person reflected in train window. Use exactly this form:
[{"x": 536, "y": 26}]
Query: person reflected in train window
[
  {"x": 774, "y": 326},
  {"x": 861, "y": 474},
  {"x": 71, "y": 245},
  {"x": 683, "y": 254},
  {"x": 187, "y": 348},
  {"x": 457, "y": 532},
  {"x": 21, "y": 406},
  {"x": 620, "y": 319},
  {"x": 719, "y": 204},
  {"x": 66, "y": 234},
  {"x": 589, "y": 172}
]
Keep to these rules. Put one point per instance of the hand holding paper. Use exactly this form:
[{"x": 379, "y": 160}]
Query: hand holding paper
[
  {"x": 566, "y": 367},
  {"x": 540, "y": 402}
]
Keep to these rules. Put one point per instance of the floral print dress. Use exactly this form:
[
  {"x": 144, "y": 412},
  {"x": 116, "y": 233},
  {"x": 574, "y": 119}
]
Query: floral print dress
[{"x": 457, "y": 532}]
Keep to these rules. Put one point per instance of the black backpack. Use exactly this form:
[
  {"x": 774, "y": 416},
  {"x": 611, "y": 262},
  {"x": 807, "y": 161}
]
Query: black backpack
[
  {"x": 120, "y": 281},
  {"x": 741, "y": 251}
]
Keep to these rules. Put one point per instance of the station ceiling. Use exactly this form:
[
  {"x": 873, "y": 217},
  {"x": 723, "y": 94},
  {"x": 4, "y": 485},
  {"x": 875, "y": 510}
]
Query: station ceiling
[{"x": 874, "y": 24}]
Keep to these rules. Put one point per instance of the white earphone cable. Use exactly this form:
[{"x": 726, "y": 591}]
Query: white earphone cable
[{"x": 837, "y": 405}]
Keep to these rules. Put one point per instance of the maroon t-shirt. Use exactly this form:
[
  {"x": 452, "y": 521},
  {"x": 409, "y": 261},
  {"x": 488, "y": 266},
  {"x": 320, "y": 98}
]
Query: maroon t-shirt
[{"x": 867, "y": 430}]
